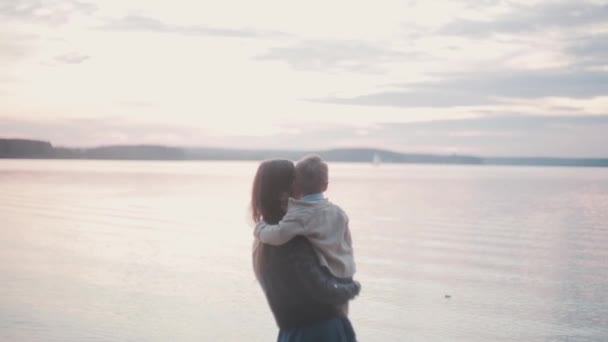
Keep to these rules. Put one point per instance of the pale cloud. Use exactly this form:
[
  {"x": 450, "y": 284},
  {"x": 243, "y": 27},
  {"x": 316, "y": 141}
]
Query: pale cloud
[
  {"x": 336, "y": 55},
  {"x": 54, "y": 12},
  {"x": 72, "y": 58},
  {"x": 308, "y": 74},
  {"x": 144, "y": 23},
  {"x": 591, "y": 49},
  {"x": 15, "y": 46},
  {"x": 528, "y": 17},
  {"x": 11, "y": 51},
  {"x": 453, "y": 90}
]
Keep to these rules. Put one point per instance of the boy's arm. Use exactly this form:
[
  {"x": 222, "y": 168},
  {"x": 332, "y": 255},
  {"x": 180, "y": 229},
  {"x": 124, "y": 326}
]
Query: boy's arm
[{"x": 287, "y": 229}]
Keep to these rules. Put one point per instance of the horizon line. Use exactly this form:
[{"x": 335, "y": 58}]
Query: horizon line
[{"x": 312, "y": 151}]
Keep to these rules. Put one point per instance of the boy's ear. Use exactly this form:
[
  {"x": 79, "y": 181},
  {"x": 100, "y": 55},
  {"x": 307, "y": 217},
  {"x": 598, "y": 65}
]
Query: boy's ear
[{"x": 325, "y": 186}]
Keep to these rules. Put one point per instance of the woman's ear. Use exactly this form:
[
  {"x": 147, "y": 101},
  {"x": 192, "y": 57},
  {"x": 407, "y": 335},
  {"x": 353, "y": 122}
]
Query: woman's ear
[
  {"x": 284, "y": 200},
  {"x": 284, "y": 196},
  {"x": 295, "y": 190}
]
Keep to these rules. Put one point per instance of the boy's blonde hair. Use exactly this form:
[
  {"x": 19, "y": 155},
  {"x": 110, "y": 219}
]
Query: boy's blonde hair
[{"x": 312, "y": 175}]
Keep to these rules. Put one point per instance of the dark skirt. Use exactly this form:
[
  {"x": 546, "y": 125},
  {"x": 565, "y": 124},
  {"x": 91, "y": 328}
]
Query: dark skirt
[{"x": 333, "y": 330}]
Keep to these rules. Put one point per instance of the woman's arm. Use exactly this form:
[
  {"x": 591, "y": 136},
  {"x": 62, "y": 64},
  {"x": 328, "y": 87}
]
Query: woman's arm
[{"x": 316, "y": 280}]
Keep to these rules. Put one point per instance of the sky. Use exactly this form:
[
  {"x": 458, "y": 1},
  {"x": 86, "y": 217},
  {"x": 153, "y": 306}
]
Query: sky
[{"x": 483, "y": 77}]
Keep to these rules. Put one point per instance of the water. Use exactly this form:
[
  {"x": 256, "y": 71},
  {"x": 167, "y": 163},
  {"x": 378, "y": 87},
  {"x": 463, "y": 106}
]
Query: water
[{"x": 160, "y": 251}]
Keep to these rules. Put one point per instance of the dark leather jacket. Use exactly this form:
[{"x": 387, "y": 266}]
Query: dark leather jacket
[{"x": 299, "y": 290}]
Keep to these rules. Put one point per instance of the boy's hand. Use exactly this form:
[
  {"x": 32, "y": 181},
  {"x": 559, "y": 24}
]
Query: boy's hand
[{"x": 357, "y": 286}]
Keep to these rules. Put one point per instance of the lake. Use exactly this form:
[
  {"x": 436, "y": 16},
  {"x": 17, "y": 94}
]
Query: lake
[{"x": 161, "y": 251}]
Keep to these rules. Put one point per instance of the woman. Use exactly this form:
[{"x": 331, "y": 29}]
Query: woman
[{"x": 306, "y": 300}]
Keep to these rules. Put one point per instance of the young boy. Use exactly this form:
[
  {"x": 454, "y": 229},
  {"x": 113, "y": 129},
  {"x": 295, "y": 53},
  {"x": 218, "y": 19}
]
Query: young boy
[{"x": 323, "y": 223}]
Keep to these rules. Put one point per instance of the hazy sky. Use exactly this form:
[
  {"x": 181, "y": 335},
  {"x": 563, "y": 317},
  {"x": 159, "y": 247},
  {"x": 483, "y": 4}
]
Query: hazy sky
[{"x": 472, "y": 76}]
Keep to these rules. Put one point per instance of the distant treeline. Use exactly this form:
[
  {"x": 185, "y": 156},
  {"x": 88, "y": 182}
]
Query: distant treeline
[
  {"x": 21, "y": 148},
  {"x": 32, "y": 149}
]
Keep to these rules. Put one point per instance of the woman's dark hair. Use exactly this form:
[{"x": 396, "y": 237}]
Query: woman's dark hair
[{"x": 271, "y": 184}]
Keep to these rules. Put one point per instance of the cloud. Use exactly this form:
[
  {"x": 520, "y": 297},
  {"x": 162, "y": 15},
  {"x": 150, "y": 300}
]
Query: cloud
[
  {"x": 148, "y": 24},
  {"x": 570, "y": 62},
  {"x": 416, "y": 98},
  {"x": 11, "y": 50},
  {"x": 422, "y": 61},
  {"x": 53, "y": 12},
  {"x": 529, "y": 18},
  {"x": 334, "y": 55},
  {"x": 486, "y": 88},
  {"x": 591, "y": 50},
  {"x": 15, "y": 46},
  {"x": 72, "y": 58}
]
